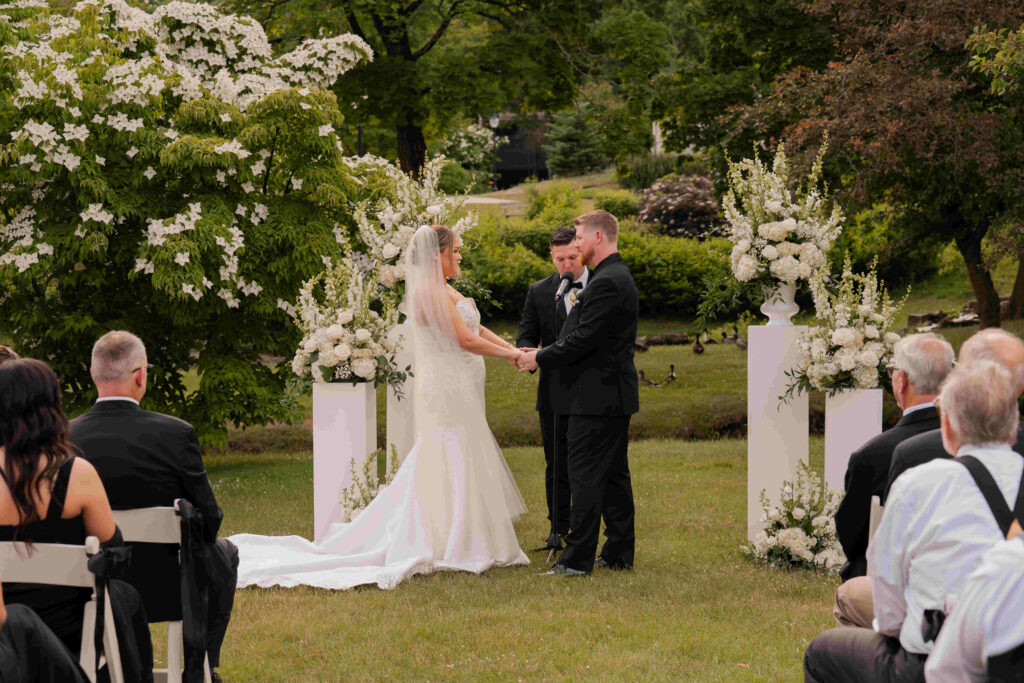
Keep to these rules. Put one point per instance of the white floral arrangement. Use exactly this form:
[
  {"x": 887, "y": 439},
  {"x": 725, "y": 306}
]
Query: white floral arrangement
[
  {"x": 851, "y": 340},
  {"x": 800, "y": 531},
  {"x": 344, "y": 335},
  {"x": 387, "y": 226},
  {"x": 778, "y": 236},
  {"x": 472, "y": 146},
  {"x": 367, "y": 483}
]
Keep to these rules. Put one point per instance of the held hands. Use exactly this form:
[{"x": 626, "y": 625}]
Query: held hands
[
  {"x": 515, "y": 355},
  {"x": 527, "y": 360}
]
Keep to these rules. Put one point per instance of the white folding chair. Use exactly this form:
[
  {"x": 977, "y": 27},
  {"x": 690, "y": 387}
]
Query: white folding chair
[
  {"x": 876, "y": 516},
  {"x": 56, "y": 564},
  {"x": 160, "y": 525}
]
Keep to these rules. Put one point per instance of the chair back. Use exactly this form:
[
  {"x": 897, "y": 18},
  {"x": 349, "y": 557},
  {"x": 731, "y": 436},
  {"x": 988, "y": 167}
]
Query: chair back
[
  {"x": 53, "y": 564},
  {"x": 149, "y": 525},
  {"x": 876, "y": 516}
]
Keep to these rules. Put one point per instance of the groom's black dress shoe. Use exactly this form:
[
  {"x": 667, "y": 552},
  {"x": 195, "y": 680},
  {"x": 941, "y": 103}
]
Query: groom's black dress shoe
[
  {"x": 602, "y": 563},
  {"x": 562, "y": 570}
]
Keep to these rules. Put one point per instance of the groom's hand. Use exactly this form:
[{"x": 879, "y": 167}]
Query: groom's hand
[{"x": 528, "y": 361}]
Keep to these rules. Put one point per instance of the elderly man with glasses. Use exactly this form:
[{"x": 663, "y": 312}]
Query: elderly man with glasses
[{"x": 920, "y": 363}]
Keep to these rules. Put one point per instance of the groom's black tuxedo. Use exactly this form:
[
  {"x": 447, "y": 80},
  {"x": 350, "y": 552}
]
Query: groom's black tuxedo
[
  {"x": 598, "y": 390},
  {"x": 541, "y": 321}
]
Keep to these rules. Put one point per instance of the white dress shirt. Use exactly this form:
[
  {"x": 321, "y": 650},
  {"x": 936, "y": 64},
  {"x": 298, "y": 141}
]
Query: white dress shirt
[
  {"x": 934, "y": 531},
  {"x": 583, "y": 279},
  {"x": 117, "y": 398},
  {"x": 987, "y": 619}
]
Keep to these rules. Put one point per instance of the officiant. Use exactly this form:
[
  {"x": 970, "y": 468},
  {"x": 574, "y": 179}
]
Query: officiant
[{"x": 539, "y": 326}]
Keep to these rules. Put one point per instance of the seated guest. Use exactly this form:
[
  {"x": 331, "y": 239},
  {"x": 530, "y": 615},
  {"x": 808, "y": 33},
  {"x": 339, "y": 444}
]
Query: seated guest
[
  {"x": 30, "y": 653},
  {"x": 937, "y": 525},
  {"x": 920, "y": 363},
  {"x": 983, "y": 638},
  {"x": 148, "y": 459},
  {"x": 47, "y": 495},
  {"x": 993, "y": 345}
]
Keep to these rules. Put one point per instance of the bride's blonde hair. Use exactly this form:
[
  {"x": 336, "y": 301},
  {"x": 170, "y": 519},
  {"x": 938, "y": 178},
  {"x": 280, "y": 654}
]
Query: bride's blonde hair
[{"x": 445, "y": 237}]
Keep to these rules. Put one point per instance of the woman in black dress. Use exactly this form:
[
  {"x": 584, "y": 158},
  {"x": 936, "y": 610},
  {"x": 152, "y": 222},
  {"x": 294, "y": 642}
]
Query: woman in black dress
[{"x": 47, "y": 495}]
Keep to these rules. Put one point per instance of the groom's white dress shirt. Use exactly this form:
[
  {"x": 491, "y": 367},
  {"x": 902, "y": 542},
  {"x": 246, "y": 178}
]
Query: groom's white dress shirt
[
  {"x": 934, "y": 531},
  {"x": 583, "y": 280},
  {"x": 987, "y": 618}
]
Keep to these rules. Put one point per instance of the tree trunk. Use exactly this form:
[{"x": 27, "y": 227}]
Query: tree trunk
[
  {"x": 981, "y": 280},
  {"x": 412, "y": 148},
  {"x": 1017, "y": 296}
]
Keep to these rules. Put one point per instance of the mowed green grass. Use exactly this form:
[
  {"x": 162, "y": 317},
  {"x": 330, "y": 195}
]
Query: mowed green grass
[{"x": 693, "y": 608}]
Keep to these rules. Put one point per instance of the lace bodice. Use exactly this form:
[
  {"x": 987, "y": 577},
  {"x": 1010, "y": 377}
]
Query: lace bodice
[{"x": 470, "y": 315}]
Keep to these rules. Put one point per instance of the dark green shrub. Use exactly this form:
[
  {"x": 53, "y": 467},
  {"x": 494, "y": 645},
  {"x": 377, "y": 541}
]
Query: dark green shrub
[
  {"x": 684, "y": 206},
  {"x": 619, "y": 203},
  {"x": 639, "y": 173},
  {"x": 455, "y": 179},
  {"x": 506, "y": 256},
  {"x": 558, "y": 193},
  {"x": 903, "y": 258},
  {"x": 572, "y": 145}
]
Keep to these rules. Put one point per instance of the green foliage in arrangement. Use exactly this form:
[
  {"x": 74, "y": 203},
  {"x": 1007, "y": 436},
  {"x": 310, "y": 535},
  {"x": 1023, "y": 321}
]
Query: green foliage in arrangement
[
  {"x": 619, "y": 203},
  {"x": 573, "y": 145},
  {"x": 640, "y": 172}
]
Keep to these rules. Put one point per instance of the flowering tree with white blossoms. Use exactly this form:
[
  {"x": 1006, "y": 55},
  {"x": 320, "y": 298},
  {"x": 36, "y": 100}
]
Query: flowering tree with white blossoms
[
  {"x": 165, "y": 173},
  {"x": 850, "y": 342},
  {"x": 800, "y": 531},
  {"x": 473, "y": 146},
  {"x": 779, "y": 236}
]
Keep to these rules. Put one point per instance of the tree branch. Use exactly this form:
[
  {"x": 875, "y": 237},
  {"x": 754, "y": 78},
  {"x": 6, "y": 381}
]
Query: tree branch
[
  {"x": 353, "y": 23},
  {"x": 452, "y": 13}
]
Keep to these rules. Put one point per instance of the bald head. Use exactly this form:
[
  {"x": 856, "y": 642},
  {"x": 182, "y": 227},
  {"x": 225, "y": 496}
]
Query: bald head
[{"x": 996, "y": 346}]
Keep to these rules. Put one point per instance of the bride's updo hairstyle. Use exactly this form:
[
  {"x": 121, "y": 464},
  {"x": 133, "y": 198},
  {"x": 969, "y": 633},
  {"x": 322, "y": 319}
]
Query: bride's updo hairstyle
[{"x": 445, "y": 237}]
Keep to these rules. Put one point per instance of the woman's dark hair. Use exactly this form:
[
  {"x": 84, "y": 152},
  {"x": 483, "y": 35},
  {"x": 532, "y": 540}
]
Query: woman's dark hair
[
  {"x": 563, "y": 236},
  {"x": 445, "y": 237},
  {"x": 33, "y": 426}
]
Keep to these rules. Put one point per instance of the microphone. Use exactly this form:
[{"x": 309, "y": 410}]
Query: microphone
[{"x": 564, "y": 285}]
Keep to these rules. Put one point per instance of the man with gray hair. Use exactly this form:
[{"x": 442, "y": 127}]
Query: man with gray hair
[
  {"x": 147, "y": 459},
  {"x": 938, "y": 523},
  {"x": 920, "y": 364},
  {"x": 993, "y": 345}
]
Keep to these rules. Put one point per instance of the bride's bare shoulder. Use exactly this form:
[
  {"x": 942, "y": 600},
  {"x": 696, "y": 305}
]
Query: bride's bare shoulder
[{"x": 454, "y": 294}]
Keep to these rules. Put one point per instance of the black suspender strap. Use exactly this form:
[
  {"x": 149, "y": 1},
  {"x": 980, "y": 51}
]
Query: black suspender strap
[{"x": 993, "y": 496}]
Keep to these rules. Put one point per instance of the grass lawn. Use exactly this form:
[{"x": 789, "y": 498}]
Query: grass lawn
[{"x": 693, "y": 609}]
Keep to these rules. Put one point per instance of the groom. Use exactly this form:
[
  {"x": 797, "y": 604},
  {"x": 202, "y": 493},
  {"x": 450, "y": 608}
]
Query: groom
[{"x": 598, "y": 392}]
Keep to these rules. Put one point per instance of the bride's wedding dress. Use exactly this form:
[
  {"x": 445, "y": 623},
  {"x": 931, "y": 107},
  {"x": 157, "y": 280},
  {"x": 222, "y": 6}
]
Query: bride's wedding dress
[{"x": 450, "y": 506}]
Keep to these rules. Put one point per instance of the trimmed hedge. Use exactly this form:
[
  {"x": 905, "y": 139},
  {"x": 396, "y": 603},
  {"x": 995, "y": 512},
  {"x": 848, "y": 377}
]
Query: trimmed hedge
[
  {"x": 619, "y": 203},
  {"x": 506, "y": 256}
]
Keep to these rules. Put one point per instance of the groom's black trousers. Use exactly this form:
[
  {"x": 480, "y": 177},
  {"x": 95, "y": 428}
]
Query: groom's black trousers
[
  {"x": 552, "y": 439},
  {"x": 600, "y": 484}
]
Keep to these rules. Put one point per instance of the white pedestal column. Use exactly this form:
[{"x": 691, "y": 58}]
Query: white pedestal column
[
  {"x": 851, "y": 418},
  {"x": 777, "y": 434},
  {"x": 344, "y": 431},
  {"x": 400, "y": 432}
]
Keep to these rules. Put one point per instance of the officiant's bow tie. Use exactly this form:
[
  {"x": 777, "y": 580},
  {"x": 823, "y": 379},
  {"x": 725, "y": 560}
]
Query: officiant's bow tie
[{"x": 577, "y": 285}]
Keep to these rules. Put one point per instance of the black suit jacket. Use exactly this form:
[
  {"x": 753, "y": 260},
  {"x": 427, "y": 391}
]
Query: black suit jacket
[
  {"x": 539, "y": 326},
  {"x": 866, "y": 475},
  {"x": 594, "y": 352},
  {"x": 925, "y": 448},
  {"x": 147, "y": 459}
]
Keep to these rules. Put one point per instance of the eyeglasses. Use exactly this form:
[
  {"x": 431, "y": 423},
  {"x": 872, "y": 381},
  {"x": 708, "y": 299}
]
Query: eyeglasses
[
  {"x": 147, "y": 366},
  {"x": 938, "y": 405},
  {"x": 890, "y": 370}
]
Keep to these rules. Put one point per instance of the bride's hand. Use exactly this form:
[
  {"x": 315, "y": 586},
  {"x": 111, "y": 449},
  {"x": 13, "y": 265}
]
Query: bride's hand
[{"x": 514, "y": 356}]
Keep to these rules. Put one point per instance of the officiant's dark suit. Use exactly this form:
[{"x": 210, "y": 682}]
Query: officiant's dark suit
[
  {"x": 866, "y": 475},
  {"x": 925, "y": 448},
  {"x": 147, "y": 459},
  {"x": 598, "y": 390},
  {"x": 541, "y": 321}
]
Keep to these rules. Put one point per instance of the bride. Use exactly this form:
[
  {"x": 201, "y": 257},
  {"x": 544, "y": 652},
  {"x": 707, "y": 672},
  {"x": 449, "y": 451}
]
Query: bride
[{"x": 453, "y": 500}]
